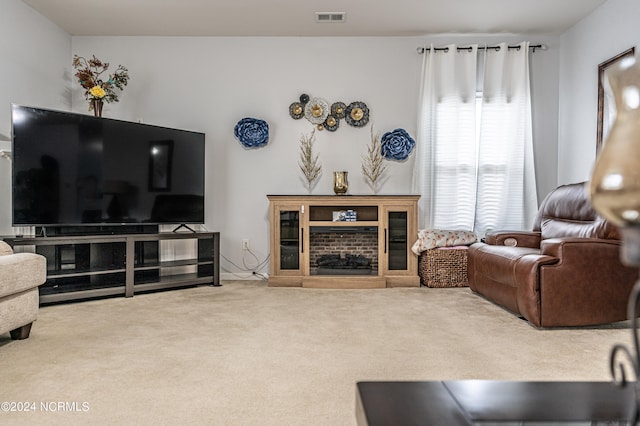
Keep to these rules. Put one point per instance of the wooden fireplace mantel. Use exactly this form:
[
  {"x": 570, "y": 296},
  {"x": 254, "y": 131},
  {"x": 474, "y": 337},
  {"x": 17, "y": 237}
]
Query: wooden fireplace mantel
[{"x": 383, "y": 231}]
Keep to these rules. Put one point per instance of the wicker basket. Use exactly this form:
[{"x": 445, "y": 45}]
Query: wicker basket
[{"x": 444, "y": 267}]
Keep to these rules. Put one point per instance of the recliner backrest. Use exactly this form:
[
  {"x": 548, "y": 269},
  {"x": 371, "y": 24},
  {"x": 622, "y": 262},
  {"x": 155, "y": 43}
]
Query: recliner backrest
[{"x": 567, "y": 212}]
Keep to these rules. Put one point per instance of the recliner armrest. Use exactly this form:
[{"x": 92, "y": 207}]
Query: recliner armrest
[
  {"x": 556, "y": 246},
  {"x": 513, "y": 238}
]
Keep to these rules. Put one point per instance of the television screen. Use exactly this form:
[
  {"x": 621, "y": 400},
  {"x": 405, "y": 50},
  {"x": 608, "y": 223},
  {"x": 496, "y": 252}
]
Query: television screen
[{"x": 76, "y": 169}]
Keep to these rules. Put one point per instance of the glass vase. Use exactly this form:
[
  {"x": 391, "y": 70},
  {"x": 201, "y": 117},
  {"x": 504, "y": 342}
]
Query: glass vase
[
  {"x": 96, "y": 105},
  {"x": 340, "y": 184}
]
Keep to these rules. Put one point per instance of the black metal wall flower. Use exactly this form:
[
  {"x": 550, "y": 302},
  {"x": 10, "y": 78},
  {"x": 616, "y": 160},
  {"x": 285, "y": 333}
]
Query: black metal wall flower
[
  {"x": 338, "y": 109},
  {"x": 296, "y": 110},
  {"x": 397, "y": 145},
  {"x": 252, "y": 132},
  {"x": 357, "y": 114},
  {"x": 331, "y": 123}
]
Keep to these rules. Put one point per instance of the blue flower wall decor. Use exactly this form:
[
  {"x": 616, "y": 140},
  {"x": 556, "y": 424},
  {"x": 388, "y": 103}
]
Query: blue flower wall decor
[
  {"x": 396, "y": 145},
  {"x": 252, "y": 132}
]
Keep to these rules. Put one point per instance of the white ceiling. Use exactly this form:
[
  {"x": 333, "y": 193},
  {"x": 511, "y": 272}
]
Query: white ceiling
[{"x": 297, "y": 17}]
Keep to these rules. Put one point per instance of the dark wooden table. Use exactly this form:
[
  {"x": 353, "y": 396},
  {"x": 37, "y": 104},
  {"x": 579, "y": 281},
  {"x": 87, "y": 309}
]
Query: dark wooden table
[{"x": 473, "y": 402}]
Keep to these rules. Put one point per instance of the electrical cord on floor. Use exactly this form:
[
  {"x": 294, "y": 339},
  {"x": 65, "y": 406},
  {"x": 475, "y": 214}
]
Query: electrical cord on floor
[
  {"x": 244, "y": 260},
  {"x": 261, "y": 276},
  {"x": 245, "y": 267}
]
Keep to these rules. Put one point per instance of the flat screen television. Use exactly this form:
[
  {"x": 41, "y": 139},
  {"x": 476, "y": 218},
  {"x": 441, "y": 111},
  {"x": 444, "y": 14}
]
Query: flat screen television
[{"x": 77, "y": 169}]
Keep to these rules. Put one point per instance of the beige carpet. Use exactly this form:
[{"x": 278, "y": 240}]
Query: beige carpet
[{"x": 247, "y": 354}]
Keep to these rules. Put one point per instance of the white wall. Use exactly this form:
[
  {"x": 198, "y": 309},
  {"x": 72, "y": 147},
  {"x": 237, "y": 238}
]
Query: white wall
[
  {"x": 208, "y": 84},
  {"x": 34, "y": 70},
  {"x": 609, "y": 30}
]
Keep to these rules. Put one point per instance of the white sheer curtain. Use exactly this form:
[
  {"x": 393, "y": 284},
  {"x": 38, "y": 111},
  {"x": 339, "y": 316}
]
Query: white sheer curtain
[
  {"x": 474, "y": 159},
  {"x": 506, "y": 179},
  {"x": 445, "y": 163}
]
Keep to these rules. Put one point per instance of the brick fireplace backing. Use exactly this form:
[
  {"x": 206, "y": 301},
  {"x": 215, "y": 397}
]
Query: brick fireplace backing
[{"x": 354, "y": 243}]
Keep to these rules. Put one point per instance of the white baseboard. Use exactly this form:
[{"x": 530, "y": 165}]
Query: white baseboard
[{"x": 239, "y": 276}]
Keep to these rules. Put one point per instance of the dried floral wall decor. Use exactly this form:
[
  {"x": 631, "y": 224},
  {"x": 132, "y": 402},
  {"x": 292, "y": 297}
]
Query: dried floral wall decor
[
  {"x": 397, "y": 145},
  {"x": 252, "y": 132},
  {"x": 373, "y": 167},
  {"x": 324, "y": 116},
  {"x": 309, "y": 165}
]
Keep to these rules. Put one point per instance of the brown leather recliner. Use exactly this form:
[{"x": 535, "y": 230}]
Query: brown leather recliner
[{"x": 567, "y": 272}]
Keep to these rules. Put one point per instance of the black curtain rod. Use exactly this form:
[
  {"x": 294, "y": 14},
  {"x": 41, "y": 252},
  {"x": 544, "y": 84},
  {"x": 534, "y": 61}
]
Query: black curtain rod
[{"x": 533, "y": 48}]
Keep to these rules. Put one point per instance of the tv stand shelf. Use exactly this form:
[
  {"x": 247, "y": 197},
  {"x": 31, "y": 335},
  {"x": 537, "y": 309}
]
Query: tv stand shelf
[{"x": 90, "y": 266}]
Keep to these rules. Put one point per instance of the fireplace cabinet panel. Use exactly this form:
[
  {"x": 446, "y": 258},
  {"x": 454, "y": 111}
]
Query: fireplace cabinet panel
[
  {"x": 287, "y": 242},
  {"x": 399, "y": 232},
  {"x": 311, "y": 249}
]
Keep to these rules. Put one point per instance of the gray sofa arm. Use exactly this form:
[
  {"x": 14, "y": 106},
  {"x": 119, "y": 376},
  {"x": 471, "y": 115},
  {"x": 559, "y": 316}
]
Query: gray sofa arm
[
  {"x": 20, "y": 272},
  {"x": 20, "y": 276}
]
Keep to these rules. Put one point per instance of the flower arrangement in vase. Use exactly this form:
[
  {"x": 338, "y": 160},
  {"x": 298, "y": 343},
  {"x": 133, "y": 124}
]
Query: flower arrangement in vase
[{"x": 96, "y": 89}]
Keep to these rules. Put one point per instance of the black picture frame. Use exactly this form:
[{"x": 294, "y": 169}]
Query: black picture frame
[
  {"x": 603, "y": 104},
  {"x": 160, "y": 161}
]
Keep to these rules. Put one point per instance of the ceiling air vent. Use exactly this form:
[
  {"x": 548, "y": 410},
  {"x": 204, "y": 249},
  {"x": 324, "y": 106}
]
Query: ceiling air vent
[{"x": 330, "y": 17}]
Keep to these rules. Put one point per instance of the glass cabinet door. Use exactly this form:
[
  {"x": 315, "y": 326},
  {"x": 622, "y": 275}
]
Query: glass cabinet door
[
  {"x": 399, "y": 233},
  {"x": 397, "y": 240},
  {"x": 289, "y": 239}
]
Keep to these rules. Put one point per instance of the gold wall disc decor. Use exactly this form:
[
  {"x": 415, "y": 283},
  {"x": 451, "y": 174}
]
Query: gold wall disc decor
[
  {"x": 296, "y": 110},
  {"x": 338, "y": 109},
  {"x": 331, "y": 123},
  {"x": 318, "y": 112},
  {"x": 357, "y": 114}
]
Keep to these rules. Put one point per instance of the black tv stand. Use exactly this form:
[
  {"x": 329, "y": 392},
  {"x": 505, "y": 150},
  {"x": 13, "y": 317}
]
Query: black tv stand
[
  {"x": 103, "y": 265},
  {"x": 105, "y": 229},
  {"x": 182, "y": 225}
]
